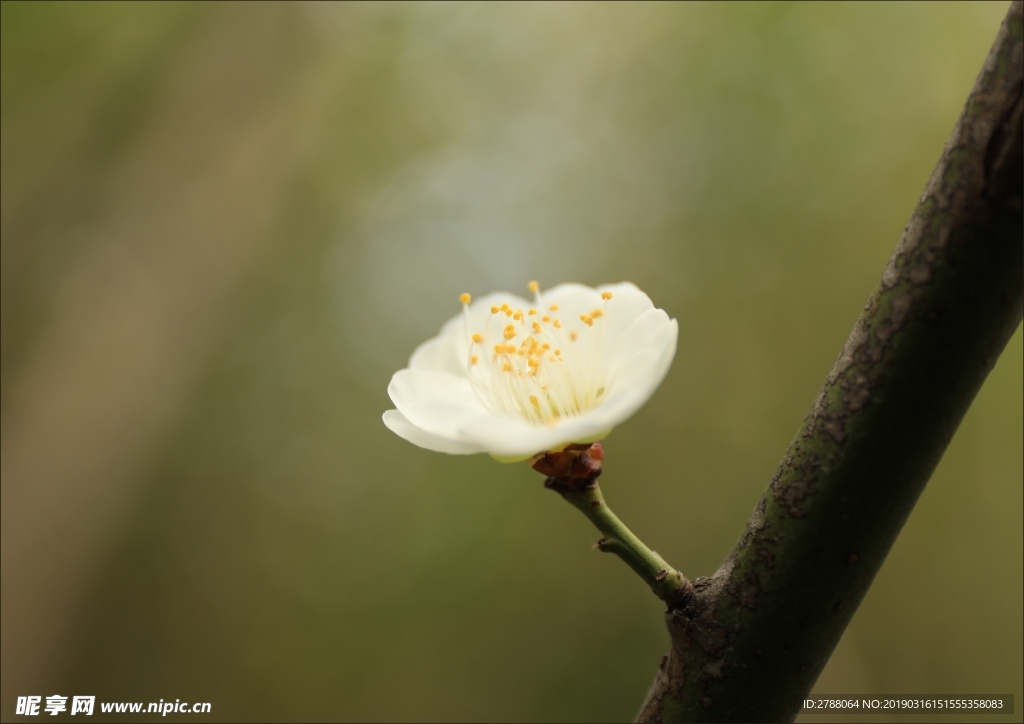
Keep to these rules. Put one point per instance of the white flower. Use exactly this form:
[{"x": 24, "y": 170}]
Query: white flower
[{"x": 514, "y": 378}]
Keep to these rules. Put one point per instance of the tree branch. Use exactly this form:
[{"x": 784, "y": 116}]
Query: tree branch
[{"x": 749, "y": 643}]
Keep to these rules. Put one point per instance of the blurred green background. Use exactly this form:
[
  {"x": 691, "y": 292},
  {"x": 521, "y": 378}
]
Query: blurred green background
[{"x": 224, "y": 227}]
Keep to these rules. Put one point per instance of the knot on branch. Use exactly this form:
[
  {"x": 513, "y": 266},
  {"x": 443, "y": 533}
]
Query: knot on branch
[{"x": 571, "y": 470}]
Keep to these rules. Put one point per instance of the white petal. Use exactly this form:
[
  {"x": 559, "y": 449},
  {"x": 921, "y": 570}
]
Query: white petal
[
  {"x": 444, "y": 406},
  {"x": 627, "y": 303},
  {"x": 639, "y": 365},
  {"x": 397, "y": 423},
  {"x": 438, "y": 354},
  {"x": 516, "y": 436},
  {"x": 652, "y": 330},
  {"x": 449, "y": 350},
  {"x": 632, "y": 343},
  {"x": 436, "y": 402}
]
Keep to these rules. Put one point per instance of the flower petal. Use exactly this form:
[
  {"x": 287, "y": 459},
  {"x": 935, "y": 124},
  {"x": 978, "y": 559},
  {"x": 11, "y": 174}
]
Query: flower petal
[
  {"x": 640, "y": 364},
  {"x": 627, "y": 303},
  {"x": 444, "y": 406},
  {"x": 516, "y": 436},
  {"x": 436, "y": 402},
  {"x": 631, "y": 345},
  {"x": 449, "y": 350},
  {"x": 652, "y": 330},
  {"x": 438, "y": 354},
  {"x": 397, "y": 423}
]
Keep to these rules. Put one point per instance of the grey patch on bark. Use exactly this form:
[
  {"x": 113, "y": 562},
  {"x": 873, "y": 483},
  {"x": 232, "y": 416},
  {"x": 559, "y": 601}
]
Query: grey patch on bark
[
  {"x": 920, "y": 274},
  {"x": 791, "y": 495},
  {"x": 754, "y": 525},
  {"x": 746, "y": 590},
  {"x": 857, "y": 339}
]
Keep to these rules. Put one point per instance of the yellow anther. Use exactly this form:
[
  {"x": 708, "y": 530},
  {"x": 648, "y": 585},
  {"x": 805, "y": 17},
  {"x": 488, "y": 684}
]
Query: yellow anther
[
  {"x": 533, "y": 286},
  {"x": 478, "y": 338},
  {"x": 558, "y": 324},
  {"x": 573, "y": 336},
  {"x": 536, "y": 326},
  {"x": 553, "y": 307},
  {"x": 546, "y": 318},
  {"x": 511, "y": 349},
  {"x": 506, "y": 367},
  {"x": 597, "y": 313},
  {"x": 510, "y": 333},
  {"x": 495, "y": 310},
  {"x": 465, "y": 298},
  {"x": 587, "y": 320},
  {"x": 534, "y": 401},
  {"x": 531, "y": 363},
  {"x": 558, "y": 352},
  {"x": 517, "y": 316},
  {"x": 545, "y": 346},
  {"x": 606, "y": 295},
  {"x": 508, "y": 312},
  {"x": 532, "y": 312},
  {"x": 504, "y": 306},
  {"x": 474, "y": 359},
  {"x": 499, "y": 349}
]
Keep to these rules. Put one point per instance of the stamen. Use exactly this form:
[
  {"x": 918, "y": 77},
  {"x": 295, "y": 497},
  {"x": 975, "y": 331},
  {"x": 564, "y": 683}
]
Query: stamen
[{"x": 540, "y": 384}]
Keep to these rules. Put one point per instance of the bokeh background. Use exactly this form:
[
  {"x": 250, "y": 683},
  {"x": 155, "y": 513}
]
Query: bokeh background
[{"x": 224, "y": 226}]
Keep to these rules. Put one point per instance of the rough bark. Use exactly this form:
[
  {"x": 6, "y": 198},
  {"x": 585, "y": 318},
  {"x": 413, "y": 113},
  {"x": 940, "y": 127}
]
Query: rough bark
[{"x": 749, "y": 642}]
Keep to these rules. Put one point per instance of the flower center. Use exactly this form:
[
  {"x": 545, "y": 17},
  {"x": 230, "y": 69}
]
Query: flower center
[{"x": 526, "y": 362}]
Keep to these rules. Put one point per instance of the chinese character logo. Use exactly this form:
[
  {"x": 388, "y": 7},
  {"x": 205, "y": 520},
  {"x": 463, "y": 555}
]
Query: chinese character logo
[{"x": 83, "y": 705}]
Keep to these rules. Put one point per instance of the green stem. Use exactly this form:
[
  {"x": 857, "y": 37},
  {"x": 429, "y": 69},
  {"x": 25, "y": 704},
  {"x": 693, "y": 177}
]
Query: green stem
[{"x": 663, "y": 579}]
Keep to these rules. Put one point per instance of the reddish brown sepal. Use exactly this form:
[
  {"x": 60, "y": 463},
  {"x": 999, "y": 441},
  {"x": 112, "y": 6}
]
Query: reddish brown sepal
[{"x": 575, "y": 468}]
